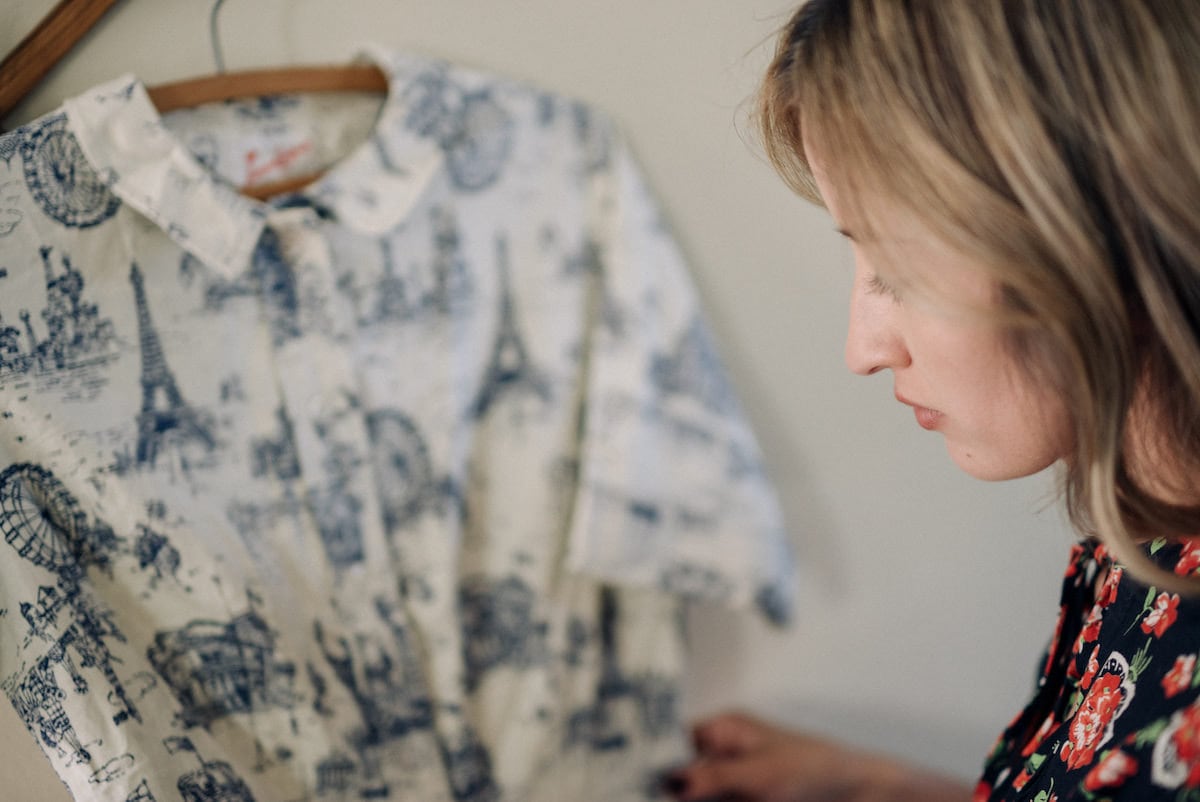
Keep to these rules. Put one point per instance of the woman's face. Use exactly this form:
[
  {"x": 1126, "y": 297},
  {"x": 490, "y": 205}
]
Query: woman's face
[{"x": 919, "y": 309}]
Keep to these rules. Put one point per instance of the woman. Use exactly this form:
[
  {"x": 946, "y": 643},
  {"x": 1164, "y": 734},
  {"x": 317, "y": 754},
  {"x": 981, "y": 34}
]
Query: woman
[{"x": 1019, "y": 181}]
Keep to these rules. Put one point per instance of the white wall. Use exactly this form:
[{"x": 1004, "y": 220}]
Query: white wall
[{"x": 926, "y": 596}]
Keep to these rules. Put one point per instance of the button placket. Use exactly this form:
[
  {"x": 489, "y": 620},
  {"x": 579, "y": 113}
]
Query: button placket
[{"x": 320, "y": 391}]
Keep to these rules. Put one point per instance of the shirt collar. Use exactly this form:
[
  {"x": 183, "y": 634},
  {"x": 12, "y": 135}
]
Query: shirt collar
[{"x": 372, "y": 190}]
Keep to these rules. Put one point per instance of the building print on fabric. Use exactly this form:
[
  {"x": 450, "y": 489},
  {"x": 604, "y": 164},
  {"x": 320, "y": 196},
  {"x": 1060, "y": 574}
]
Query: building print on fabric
[
  {"x": 43, "y": 522},
  {"x": 391, "y": 294},
  {"x": 10, "y": 207},
  {"x": 623, "y": 703},
  {"x": 278, "y": 286},
  {"x": 272, "y": 278},
  {"x": 141, "y": 793},
  {"x": 408, "y": 486},
  {"x": 387, "y": 684},
  {"x": 331, "y": 499},
  {"x": 400, "y": 460},
  {"x": 211, "y": 781},
  {"x": 693, "y": 369},
  {"x": 592, "y": 131},
  {"x": 220, "y": 668},
  {"x": 451, "y": 279},
  {"x": 498, "y": 627},
  {"x": 112, "y": 769},
  {"x": 416, "y": 290},
  {"x": 10, "y": 145},
  {"x": 473, "y": 130},
  {"x": 334, "y": 503},
  {"x": 587, "y": 263},
  {"x": 37, "y": 698},
  {"x": 469, "y": 768},
  {"x": 77, "y": 340},
  {"x": 165, "y": 417},
  {"x": 276, "y": 455},
  {"x": 650, "y": 518},
  {"x": 61, "y": 180}
]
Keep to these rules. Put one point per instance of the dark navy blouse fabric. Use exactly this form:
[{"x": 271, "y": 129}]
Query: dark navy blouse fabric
[{"x": 1117, "y": 712}]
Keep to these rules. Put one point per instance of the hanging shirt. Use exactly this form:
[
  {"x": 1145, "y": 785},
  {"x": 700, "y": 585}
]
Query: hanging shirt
[
  {"x": 388, "y": 489},
  {"x": 1117, "y": 712}
]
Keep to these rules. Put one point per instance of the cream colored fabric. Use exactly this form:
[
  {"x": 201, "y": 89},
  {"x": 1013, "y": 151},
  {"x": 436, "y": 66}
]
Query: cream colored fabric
[{"x": 389, "y": 489}]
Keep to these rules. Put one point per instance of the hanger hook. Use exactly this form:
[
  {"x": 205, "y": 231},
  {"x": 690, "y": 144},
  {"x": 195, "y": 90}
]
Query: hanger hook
[{"x": 214, "y": 35}]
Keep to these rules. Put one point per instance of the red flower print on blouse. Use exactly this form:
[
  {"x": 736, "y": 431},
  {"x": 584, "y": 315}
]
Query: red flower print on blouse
[
  {"x": 1189, "y": 558},
  {"x": 1186, "y": 741},
  {"x": 983, "y": 790},
  {"x": 1077, "y": 552},
  {"x": 1179, "y": 678},
  {"x": 1108, "y": 591},
  {"x": 1091, "y": 629},
  {"x": 1049, "y": 724},
  {"x": 1113, "y": 769},
  {"x": 1162, "y": 615},
  {"x": 1093, "y": 668},
  {"x": 1058, "y": 628},
  {"x": 1091, "y": 721},
  {"x": 1021, "y": 779}
]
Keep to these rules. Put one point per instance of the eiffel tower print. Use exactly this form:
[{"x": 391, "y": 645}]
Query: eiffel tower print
[
  {"x": 624, "y": 702},
  {"x": 510, "y": 368},
  {"x": 450, "y": 278},
  {"x": 164, "y": 413}
]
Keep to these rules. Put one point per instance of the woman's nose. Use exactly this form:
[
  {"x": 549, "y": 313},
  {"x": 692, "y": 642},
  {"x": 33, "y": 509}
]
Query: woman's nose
[{"x": 873, "y": 338}]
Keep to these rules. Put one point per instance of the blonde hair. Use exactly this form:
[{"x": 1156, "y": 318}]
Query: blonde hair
[{"x": 1056, "y": 141}]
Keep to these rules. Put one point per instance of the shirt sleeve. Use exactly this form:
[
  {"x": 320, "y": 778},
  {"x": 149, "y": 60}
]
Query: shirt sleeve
[{"x": 672, "y": 490}]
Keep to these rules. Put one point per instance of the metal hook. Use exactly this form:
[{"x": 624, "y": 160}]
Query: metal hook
[{"x": 214, "y": 36}]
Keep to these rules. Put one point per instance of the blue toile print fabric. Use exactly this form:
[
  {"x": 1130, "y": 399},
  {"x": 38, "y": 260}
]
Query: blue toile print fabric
[{"x": 391, "y": 488}]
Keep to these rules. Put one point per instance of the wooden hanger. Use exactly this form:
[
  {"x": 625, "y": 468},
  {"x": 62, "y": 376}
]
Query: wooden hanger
[
  {"x": 224, "y": 86},
  {"x": 258, "y": 83},
  {"x": 276, "y": 81},
  {"x": 67, "y": 23},
  {"x": 44, "y": 46}
]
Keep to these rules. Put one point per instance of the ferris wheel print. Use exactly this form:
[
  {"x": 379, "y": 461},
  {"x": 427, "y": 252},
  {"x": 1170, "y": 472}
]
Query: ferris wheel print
[
  {"x": 41, "y": 519},
  {"x": 403, "y": 467}
]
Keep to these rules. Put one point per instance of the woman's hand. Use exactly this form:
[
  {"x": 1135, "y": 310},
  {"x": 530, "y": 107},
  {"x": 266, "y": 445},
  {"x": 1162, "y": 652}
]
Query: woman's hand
[{"x": 744, "y": 758}]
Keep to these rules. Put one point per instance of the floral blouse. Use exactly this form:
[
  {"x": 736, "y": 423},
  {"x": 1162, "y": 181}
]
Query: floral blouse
[{"x": 1116, "y": 714}]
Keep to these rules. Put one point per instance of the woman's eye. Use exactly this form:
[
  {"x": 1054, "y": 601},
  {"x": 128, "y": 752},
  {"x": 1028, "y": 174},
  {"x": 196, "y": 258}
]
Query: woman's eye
[{"x": 877, "y": 285}]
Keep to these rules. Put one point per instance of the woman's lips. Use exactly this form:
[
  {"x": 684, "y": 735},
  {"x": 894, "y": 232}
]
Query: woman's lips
[{"x": 926, "y": 418}]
